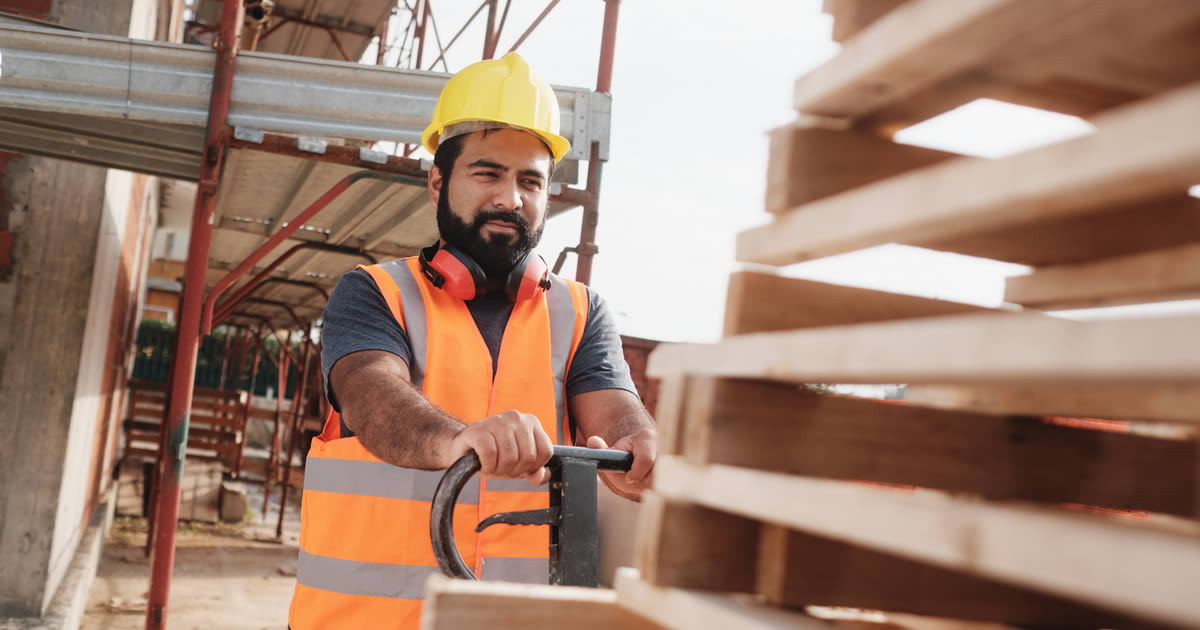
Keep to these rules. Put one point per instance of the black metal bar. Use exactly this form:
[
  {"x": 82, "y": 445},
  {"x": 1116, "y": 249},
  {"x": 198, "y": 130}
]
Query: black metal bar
[{"x": 574, "y": 547}]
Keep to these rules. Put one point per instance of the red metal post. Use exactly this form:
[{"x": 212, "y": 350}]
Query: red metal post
[
  {"x": 160, "y": 457},
  {"x": 257, "y": 348},
  {"x": 421, "y": 15},
  {"x": 182, "y": 379},
  {"x": 225, "y": 358},
  {"x": 490, "y": 32},
  {"x": 383, "y": 40},
  {"x": 299, "y": 405},
  {"x": 495, "y": 41},
  {"x": 284, "y": 350},
  {"x": 591, "y": 209},
  {"x": 337, "y": 43}
]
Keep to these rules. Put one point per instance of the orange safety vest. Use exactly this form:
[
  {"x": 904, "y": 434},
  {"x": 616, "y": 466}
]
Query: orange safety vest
[{"x": 365, "y": 551}]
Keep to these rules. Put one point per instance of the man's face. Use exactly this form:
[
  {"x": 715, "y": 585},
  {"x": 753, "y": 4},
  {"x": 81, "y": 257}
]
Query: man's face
[{"x": 494, "y": 205}]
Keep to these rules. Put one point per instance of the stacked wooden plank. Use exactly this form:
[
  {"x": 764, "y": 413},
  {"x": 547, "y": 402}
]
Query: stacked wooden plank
[
  {"x": 216, "y": 424},
  {"x": 963, "y": 502},
  {"x": 982, "y": 500}
]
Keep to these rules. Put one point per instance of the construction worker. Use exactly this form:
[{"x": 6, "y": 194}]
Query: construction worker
[{"x": 473, "y": 345}]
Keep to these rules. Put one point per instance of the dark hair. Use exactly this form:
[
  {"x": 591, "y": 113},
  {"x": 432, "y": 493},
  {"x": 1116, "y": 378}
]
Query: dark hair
[{"x": 449, "y": 149}]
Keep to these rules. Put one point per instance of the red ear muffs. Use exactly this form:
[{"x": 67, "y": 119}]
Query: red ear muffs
[
  {"x": 453, "y": 272},
  {"x": 458, "y": 274},
  {"x": 527, "y": 278}
]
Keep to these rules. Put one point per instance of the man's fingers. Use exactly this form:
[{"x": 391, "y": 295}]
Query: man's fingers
[
  {"x": 508, "y": 454},
  {"x": 544, "y": 447},
  {"x": 538, "y": 477},
  {"x": 526, "y": 440},
  {"x": 596, "y": 442},
  {"x": 643, "y": 463},
  {"x": 485, "y": 447}
]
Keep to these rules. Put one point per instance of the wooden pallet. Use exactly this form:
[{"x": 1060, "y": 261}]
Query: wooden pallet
[
  {"x": 975, "y": 499},
  {"x": 1027, "y": 480},
  {"x": 216, "y": 424}
]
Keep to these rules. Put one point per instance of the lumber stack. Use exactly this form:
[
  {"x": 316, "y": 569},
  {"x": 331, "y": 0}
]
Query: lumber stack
[
  {"x": 216, "y": 422},
  {"x": 976, "y": 500},
  {"x": 1028, "y": 479}
]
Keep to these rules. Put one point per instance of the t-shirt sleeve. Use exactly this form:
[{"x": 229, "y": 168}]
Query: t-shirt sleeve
[
  {"x": 599, "y": 361},
  {"x": 357, "y": 318}
]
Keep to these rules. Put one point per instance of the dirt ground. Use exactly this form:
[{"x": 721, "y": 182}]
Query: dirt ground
[{"x": 226, "y": 576}]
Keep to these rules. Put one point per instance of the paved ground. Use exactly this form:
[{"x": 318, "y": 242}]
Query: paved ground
[{"x": 226, "y": 576}]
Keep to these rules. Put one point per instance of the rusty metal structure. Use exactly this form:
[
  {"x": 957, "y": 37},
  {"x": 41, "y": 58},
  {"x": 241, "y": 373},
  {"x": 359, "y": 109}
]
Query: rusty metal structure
[
  {"x": 271, "y": 174},
  {"x": 387, "y": 215}
]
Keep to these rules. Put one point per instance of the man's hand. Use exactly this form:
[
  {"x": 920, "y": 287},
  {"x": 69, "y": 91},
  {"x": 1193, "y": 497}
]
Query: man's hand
[
  {"x": 510, "y": 445},
  {"x": 644, "y": 446}
]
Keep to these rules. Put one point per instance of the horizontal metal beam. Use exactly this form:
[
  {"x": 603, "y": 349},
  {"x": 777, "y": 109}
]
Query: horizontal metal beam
[
  {"x": 336, "y": 23},
  {"x": 104, "y": 77}
]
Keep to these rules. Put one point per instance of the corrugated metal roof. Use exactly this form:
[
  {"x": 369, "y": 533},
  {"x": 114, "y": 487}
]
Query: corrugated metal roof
[
  {"x": 260, "y": 192},
  {"x": 354, "y": 22}
]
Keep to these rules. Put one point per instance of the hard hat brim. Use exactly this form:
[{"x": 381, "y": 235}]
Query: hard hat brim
[{"x": 559, "y": 146}]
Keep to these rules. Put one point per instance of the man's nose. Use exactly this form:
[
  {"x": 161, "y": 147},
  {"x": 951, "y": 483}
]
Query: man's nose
[{"x": 507, "y": 196}]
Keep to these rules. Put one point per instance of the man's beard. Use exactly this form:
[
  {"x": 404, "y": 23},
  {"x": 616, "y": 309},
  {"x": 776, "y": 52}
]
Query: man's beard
[{"x": 497, "y": 255}]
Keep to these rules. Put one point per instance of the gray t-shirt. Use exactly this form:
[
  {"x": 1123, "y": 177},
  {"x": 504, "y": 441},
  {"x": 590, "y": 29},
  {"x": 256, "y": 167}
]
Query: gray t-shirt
[{"x": 357, "y": 318}]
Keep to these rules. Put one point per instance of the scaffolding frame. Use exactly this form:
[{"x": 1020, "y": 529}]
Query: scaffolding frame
[{"x": 194, "y": 317}]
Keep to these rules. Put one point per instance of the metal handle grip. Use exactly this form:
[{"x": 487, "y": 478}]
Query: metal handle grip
[{"x": 441, "y": 516}]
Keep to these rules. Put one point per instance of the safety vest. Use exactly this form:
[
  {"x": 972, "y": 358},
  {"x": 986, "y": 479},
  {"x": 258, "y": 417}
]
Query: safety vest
[{"x": 365, "y": 551}]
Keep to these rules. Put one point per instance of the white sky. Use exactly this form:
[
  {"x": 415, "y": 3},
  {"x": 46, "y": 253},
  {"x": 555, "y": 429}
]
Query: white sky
[{"x": 696, "y": 86}]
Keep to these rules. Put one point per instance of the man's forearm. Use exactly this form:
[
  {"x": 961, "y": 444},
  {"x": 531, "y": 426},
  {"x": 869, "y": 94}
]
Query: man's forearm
[
  {"x": 393, "y": 420},
  {"x": 631, "y": 418}
]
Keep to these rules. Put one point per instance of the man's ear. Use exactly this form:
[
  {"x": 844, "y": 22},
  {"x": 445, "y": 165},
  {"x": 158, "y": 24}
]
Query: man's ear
[{"x": 434, "y": 185}]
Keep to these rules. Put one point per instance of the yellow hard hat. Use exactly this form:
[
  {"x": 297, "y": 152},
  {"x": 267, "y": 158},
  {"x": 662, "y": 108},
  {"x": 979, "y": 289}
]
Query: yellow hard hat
[{"x": 503, "y": 90}]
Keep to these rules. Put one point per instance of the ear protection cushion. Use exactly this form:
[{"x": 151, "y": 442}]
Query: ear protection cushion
[
  {"x": 453, "y": 272},
  {"x": 529, "y": 276}
]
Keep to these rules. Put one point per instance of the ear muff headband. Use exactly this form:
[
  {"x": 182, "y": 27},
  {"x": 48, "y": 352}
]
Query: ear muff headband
[{"x": 456, "y": 273}]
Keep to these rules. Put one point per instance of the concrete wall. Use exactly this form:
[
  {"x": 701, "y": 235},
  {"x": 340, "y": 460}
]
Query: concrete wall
[
  {"x": 80, "y": 236},
  {"x": 56, "y": 229}
]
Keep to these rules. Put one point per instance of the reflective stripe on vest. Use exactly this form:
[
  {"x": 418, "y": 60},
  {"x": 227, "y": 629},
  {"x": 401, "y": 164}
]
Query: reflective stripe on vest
[{"x": 365, "y": 523}]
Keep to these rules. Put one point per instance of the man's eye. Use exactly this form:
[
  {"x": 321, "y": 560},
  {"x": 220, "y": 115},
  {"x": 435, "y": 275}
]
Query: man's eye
[
  {"x": 536, "y": 183},
  {"x": 486, "y": 174}
]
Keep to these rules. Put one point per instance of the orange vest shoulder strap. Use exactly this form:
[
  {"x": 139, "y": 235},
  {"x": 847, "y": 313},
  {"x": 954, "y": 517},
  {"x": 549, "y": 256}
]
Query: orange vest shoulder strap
[{"x": 387, "y": 286}]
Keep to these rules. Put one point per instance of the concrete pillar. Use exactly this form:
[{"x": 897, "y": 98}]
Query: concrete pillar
[{"x": 64, "y": 302}]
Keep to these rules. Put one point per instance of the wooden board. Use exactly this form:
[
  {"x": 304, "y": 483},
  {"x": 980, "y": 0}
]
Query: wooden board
[
  {"x": 797, "y": 569},
  {"x": 784, "y": 428},
  {"x": 928, "y": 56},
  {"x": 694, "y": 547},
  {"x": 1137, "y": 153},
  {"x": 917, "y": 45},
  {"x": 1153, "y": 276},
  {"x": 469, "y": 605},
  {"x": 686, "y": 546},
  {"x": 686, "y": 610},
  {"x": 852, "y": 16},
  {"x": 1128, "y": 228},
  {"x": 992, "y": 348},
  {"x": 765, "y": 302},
  {"x": 1131, "y": 567},
  {"x": 1171, "y": 402},
  {"x": 810, "y": 163}
]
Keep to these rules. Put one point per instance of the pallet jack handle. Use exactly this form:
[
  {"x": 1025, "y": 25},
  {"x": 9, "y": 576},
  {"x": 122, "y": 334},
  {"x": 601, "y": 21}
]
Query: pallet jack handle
[{"x": 574, "y": 550}]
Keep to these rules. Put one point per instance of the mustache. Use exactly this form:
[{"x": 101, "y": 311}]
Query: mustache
[{"x": 509, "y": 216}]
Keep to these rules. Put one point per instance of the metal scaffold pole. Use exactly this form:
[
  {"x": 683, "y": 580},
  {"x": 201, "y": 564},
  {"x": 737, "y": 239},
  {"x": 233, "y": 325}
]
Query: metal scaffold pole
[
  {"x": 183, "y": 374},
  {"x": 591, "y": 207}
]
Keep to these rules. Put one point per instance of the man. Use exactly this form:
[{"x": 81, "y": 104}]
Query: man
[{"x": 471, "y": 346}]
